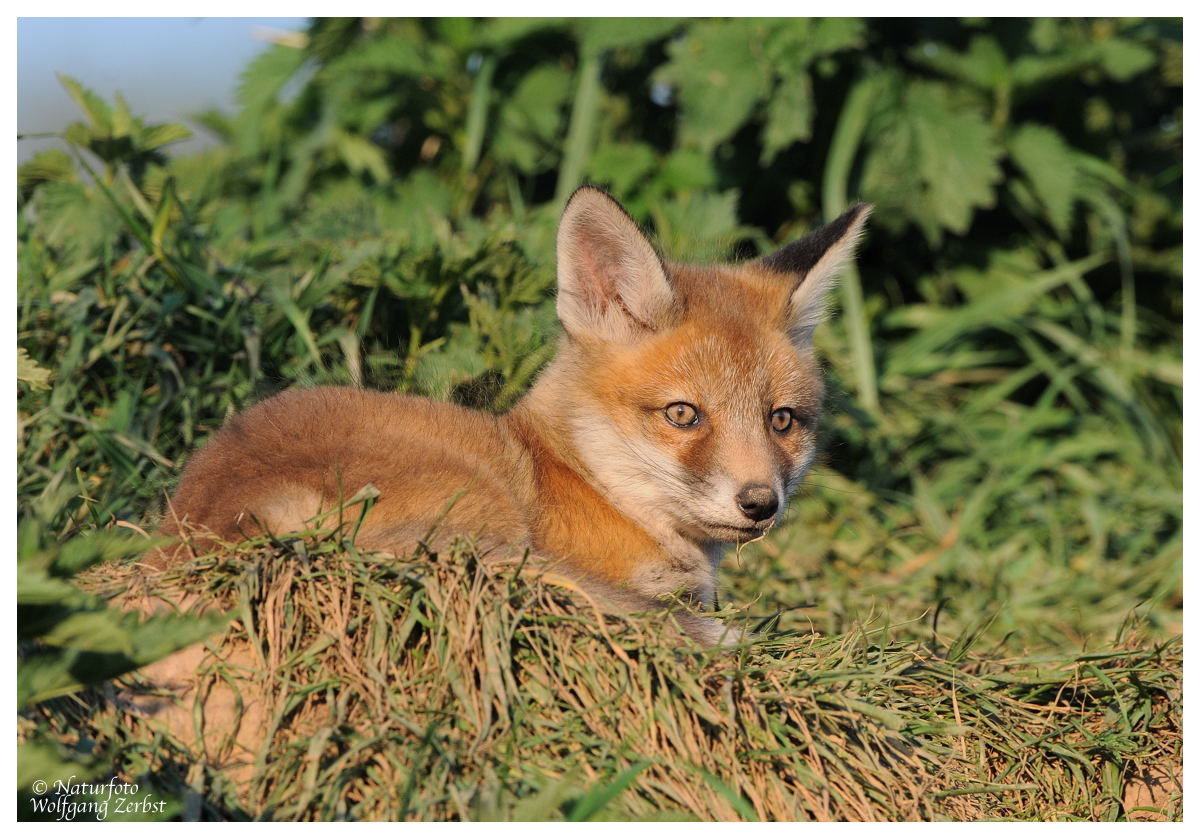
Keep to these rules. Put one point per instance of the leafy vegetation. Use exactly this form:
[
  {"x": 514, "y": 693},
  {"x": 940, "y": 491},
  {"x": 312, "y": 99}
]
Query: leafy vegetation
[{"x": 1004, "y": 434}]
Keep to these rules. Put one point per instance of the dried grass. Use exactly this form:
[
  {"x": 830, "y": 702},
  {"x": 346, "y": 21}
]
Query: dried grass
[{"x": 442, "y": 687}]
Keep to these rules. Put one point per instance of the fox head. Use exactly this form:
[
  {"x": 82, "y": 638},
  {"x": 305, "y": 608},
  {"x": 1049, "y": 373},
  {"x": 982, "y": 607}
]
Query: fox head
[{"x": 691, "y": 394}]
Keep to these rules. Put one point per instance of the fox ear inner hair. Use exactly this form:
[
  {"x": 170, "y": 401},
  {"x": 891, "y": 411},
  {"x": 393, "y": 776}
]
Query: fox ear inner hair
[
  {"x": 801, "y": 256},
  {"x": 611, "y": 281}
]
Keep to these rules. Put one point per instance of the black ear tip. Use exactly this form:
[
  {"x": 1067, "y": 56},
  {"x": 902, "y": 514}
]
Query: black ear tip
[
  {"x": 800, "y": 256},
  {"x": 860, "y": 209}
]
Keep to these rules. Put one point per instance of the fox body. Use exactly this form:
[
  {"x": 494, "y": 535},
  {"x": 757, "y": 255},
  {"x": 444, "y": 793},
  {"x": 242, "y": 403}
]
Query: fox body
[{"x": 676, "y": 418}]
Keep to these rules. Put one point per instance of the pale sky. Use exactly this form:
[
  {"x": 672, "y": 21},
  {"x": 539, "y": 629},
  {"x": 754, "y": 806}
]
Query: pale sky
[{"x": 166, "y": 68}]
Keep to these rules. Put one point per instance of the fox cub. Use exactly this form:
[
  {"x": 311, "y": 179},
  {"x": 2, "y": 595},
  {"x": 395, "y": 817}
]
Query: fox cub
[{"x": 677, "y": 417}]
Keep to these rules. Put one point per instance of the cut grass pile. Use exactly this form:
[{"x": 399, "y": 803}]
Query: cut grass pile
[{"x": 442, "y": 687}]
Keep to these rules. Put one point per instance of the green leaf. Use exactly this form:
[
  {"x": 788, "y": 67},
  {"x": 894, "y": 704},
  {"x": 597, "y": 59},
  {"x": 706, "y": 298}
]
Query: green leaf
[
  {"x": 596, "y": 34},
  {"x": 94, "y": 108},
  {"x": 621, "y": 166},
  {"x": 157, "y": 136},
  {"x": 55, "y": 672},
  {"x": 1049, "y": 163},
  {"x": 1123, "y": 59},
  {"x": 266, "y": 75},
  {"x": 123, "y": 121},
  {"x": 685, "y": 170},
  {"x": 790, "y": 112},
  {"x": 834, "y": 34},
  {"x": 422, "y": 205},
  {"x": 983, "y": 64},
  {"x": 283, "y": 299},
  {"x": 216, "y": 122},
  {"x": 957, "y": 157},
  {"x": 361, "y": 155},
  {"x": 42, "y": 760},
  {"x": 36, "y": 588},
  {"x": 477, "y": 111},
  {"x": 162, "y": 216},
  {"x": 49, "y": 165},
  {"x": 792, "y": 44},
  {"x": 74, "y": 219},
  {"x": 399, "y": 55},
  {"x": 1030, "y": 70},
  {"x": 735, "y": 800},
  {"x": 99, "y": 632},
  {"x": 721, "y": 74},
  {"x": 506, "y": 30},
  {"x": 594, "y": 800},
  {"x": 530, "y": 128},
  {"x": 931, "y": 159},
  {"x": 549, "y": 798}
]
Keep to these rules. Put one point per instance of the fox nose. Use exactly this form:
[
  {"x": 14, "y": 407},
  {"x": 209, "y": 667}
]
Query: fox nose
[{"x": 758, "y": 501}]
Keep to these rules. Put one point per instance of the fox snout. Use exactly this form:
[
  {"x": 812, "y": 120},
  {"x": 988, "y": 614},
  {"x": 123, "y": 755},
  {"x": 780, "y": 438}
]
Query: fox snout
[{"x": 758, "y": 502}]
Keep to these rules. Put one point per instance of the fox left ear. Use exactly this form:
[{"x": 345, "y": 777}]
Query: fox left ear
[
  {"x": 611, "y": 282},
  {"x": 815, "y": 261}
]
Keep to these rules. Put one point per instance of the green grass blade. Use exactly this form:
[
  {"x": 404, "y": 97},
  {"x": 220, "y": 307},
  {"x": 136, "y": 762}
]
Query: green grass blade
[{"x": 847, "y": 136}]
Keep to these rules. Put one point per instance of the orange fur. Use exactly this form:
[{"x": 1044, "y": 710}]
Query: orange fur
[{"x": 586, "y": 470}]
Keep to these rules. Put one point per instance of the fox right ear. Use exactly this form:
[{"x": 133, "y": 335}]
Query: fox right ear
[
  {"x": 814, "y": 262},
  {"x": 611, "y": 282}
]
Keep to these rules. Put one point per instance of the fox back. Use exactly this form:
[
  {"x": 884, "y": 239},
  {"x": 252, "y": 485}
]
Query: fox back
[{"x": 677, "y": 417}]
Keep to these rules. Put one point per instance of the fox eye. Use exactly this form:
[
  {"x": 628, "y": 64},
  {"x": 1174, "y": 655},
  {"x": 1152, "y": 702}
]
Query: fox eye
[
  {"x": 782, "y": 419},
  {"x": 681, "y": 414}
]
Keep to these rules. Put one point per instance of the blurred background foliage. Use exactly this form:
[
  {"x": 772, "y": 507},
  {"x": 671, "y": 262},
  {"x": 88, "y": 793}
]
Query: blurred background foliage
[{"x": 1004, "y": 436}]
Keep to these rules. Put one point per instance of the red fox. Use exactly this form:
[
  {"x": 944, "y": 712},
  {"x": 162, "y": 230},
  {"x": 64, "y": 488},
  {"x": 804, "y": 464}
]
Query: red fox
[{"x": 677, "y": 417}]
